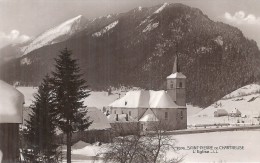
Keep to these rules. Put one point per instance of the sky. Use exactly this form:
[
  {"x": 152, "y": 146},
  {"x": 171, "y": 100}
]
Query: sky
[{"x": 21, "y": 20}]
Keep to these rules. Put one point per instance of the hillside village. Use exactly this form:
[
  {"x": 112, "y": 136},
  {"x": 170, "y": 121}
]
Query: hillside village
[
  {"x": 145, "y": 108},
  {"x": 141, "y": 107}
]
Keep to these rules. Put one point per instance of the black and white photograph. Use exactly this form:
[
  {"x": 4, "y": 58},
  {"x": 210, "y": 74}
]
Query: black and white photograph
[{"x": 129, "y": 81}]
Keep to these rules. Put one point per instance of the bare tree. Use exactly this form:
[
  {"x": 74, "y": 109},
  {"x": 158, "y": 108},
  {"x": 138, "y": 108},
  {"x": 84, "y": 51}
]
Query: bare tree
[
  {"x": 150, "y": 148},
  {"x": 159, "y": 141}
]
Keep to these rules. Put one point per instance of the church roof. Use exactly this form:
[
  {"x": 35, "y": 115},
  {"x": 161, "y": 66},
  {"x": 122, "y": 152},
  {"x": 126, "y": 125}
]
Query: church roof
[
  {"x": 145, "y": 99},
  {"x": 236, "y": 111},
  {"x": 178, "y": 75},
  {"x": 11, "y": 104},
  {"x": 149, "y": 116}
]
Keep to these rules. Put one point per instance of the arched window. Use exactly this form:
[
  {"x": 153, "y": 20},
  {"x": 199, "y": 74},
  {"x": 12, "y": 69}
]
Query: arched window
[
  {"x": 166, "y": 115},
  {"x": 180, "y": 84}
]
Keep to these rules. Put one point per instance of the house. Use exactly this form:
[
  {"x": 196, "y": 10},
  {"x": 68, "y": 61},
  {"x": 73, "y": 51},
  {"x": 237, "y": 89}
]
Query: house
[
  {"x": 11, "y": 107},
  {"x": 98, "y": 131},
  {"x": 235, "y": 113},
  {"x": 220, "y": 113},
  {"x": 148, "y": 107}
]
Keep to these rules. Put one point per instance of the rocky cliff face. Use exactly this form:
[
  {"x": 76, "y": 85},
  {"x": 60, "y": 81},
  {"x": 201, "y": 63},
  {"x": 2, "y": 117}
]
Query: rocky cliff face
[{"x": 138, "y": 48}]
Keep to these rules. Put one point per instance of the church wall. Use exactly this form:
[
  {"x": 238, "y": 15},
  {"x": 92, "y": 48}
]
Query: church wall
[
  {"x": 141, "y": 112},
  {"x": 119, "y": 110},
  {"x": 181, "y": 97},
  {"x": 148, "y": 126},
  {"x": 182, "y": 118},
  {"x": 176, "y": 90},
  {"x": 177, "y": 118},
  {"x": 169, "y": 82},
  {"x": 136, "y": 113},
  {"x": 169, "y": 123}
]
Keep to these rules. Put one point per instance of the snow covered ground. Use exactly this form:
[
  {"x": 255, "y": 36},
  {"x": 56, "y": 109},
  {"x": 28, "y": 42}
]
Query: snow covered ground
[
  {"x": 246, "y": 90},
  {"x": 248, "y": 139},
  {"x": 247, "y": 146},
  {"x": 245, "y": 99},
  {"x": 106, "y": 29}
]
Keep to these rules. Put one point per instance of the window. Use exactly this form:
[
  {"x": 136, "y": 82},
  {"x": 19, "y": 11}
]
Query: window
[
  {"x": 171, "y": 85},
  {"x": 181, "y": 115},
  {"x": 180, "y": 84},
  {"x": 166, "y": 115},
  {"x": 114, "y": 111},
  {"x": 129, "y": 113}
]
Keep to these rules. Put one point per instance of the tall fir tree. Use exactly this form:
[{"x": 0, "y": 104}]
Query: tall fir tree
[
  {"x": 40, "y": 133},
  {"x": 70, "y": 90}
]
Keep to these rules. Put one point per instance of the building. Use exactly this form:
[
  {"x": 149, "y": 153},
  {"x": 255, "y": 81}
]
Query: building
[
  {"x": 220, "y": 113},
  {"x": 235, "y": 113},
  {"x": 148, "y": 108},
  {"x": 11, "y": 107}
]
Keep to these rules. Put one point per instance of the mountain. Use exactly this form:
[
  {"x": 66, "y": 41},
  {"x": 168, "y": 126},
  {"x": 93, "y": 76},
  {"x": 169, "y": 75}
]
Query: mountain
[
  {"x": 137, "y": 48},
  {"x": 11, "y": 51},
  {"x": 54, "y": 35}
]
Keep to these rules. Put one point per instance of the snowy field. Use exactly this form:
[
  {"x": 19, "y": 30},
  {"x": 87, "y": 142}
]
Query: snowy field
[
  {"x": 245, "y": 99},
  {"x": 248, "y": 139},
  {"x": 247, "y": 146}
]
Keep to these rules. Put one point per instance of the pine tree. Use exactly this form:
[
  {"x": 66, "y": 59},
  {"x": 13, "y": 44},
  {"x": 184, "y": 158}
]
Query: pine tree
[
  {"x": 40, "y": 132},
  {"x": 70, "y": 90}
]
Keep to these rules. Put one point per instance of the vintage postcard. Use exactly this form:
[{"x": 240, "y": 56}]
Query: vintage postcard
[{"x": 129, "y": 81}]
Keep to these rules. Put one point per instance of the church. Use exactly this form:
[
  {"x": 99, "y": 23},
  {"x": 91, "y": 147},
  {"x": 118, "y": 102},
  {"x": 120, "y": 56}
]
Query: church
[{"x": 148, "y": 107}]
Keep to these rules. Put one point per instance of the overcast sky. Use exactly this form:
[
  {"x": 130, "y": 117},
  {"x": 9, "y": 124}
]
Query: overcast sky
[{"x": 23, "y": 19}]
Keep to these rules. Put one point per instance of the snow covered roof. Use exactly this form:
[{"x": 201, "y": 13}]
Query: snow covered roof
[
  {"x": 149, "y": 116},
  {"x": 11, "y": 104},
  {"x": 100, "y": 121},
  {"x": 145, "y": 99},
  {"x": 236, "y": 111},
  {"x": 223, "y": 111},
  {"x": 175, "y": 75}
]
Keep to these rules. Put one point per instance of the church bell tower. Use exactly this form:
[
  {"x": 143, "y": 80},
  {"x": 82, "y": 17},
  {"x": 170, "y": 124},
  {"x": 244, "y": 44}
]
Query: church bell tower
[{"x": 176, "y": 85}]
